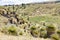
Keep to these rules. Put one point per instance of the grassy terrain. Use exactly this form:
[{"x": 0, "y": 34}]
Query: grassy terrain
[{"x": 55, "y": 19}]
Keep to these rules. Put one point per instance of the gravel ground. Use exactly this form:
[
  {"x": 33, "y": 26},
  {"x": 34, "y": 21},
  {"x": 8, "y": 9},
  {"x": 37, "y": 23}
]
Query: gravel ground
[{"x": 9, "y": 37}]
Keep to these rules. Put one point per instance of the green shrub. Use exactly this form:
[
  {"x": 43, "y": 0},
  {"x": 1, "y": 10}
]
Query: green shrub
[
  {"x": 35, "y": 33},
  {"x": 58, "y": 32},
  {"x": 20, "y": 33},
  {"x": 43, "y": 32},
  {"x": 51, "y": 26},
  {"x": 50, "y": 30},
  {"x": 33, "y": 28},
  {"x": 55, "y": 37},
  {"x": 12, "y": 30}
]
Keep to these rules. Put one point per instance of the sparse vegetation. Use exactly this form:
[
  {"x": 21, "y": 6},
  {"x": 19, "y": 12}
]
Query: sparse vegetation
[{"x": 36, "y": 20}]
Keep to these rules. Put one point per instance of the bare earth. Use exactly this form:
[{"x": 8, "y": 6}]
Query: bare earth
[{"x": 9, "y": 37}]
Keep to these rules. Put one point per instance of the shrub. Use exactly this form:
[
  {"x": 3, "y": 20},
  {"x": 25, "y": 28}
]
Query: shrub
[
  {"x": 23, "y": 26},
  {"x": 12, "y": 30},
  {"x": 43, "y": 32},
  {"x": 50, "y": 30},
  {"x": 20, "y": 33},
  {"x": 35, "y": 33},
  {"x": 4, "y": 30},
  {"x": 58, "y": 32},
  {"x": 55, "y": 36},
  {"x": 33, "y": 28}
]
